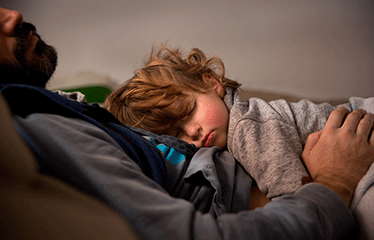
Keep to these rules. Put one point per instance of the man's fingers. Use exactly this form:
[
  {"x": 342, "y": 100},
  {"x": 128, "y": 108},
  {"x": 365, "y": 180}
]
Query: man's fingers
[
  {"x": 365, "y": 126},
  {"x": 371, "y": 136},
  {"x": 336, "y": 118},
  {"x": 312, "y": 140},
  {"x": 353, "y": 119}
]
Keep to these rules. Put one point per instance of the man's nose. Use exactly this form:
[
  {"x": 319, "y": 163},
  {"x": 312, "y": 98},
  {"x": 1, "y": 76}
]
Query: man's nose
[{"x": 9, "y": 20}]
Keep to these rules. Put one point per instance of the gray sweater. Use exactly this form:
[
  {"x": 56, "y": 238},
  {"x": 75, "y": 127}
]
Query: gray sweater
[{"x": 267, "y": 138}]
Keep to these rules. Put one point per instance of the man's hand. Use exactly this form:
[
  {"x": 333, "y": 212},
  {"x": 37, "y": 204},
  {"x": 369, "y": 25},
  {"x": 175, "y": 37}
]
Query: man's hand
[{"x": 340, "y": 155}]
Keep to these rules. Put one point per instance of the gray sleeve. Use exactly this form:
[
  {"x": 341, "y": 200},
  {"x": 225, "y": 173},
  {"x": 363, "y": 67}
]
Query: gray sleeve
[
  {"x": 363, "y": 103},
  {"x": 314, "y": 212},
  {"x": 268, "y": 140},
  {"x": 310, "y": 117}
]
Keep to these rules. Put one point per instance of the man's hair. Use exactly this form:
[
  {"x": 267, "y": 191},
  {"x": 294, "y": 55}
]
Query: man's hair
[{"x": 160, "y": 96}]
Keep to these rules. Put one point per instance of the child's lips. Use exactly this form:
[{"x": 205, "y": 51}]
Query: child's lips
[{"x": 208, "y": 139}]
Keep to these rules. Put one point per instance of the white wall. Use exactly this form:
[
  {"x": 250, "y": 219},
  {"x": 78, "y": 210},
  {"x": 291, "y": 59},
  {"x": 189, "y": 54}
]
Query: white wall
[{"x": 314, "y": 49}]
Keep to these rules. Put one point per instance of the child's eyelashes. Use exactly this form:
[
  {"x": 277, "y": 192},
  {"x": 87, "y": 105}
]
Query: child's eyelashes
[{"x": 177, "y": 132}]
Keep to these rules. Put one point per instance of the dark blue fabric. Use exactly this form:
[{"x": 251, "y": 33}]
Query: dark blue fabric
[{"x": 24, "y": 100}]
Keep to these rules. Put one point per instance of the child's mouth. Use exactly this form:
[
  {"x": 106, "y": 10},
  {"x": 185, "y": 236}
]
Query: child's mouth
[{"x": 208, "y": 139}]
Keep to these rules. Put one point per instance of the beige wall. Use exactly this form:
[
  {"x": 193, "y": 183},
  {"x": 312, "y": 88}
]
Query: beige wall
[{"x": 313, "y": 49}]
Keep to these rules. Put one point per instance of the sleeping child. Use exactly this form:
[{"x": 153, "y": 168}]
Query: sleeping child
[{"x": 190, "y": 98}]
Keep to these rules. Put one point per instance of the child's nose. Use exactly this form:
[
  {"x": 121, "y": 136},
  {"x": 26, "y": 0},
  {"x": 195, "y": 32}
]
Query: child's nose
[
  {"x": 9, "y": 19},
  {"x": 193, "y": 131}
]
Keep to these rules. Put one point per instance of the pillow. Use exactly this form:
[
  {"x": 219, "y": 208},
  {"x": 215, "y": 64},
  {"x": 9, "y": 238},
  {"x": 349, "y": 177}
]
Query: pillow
[{"x": 94, "y": 86}]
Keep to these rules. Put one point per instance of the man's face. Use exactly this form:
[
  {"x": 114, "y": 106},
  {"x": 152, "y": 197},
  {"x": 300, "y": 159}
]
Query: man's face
[{"x": 24, "y": 57}]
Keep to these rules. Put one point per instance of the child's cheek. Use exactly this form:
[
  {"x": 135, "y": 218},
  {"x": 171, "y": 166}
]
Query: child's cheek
[
  {"x": 221, "y": 141},
  {"x": 216, "y": 115}
]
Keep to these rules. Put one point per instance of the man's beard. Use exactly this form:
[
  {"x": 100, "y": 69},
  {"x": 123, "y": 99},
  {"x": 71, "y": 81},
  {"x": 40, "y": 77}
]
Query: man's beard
[{"x": 36, "y": 72}]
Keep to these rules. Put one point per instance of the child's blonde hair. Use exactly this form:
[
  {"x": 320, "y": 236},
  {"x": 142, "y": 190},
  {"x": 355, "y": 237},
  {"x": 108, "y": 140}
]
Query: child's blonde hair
[{"x": 159, "y": 97}]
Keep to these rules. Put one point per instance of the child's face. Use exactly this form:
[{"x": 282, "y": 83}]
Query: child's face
[{"x": 208, "y": 123}]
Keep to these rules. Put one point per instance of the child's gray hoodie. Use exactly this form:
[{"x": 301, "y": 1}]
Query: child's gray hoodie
[{"x": 268, "y": 138}]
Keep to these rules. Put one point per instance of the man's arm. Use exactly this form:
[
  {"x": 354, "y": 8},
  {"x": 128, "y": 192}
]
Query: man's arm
[
  {"x": 340, "y": 155},
  {"x": 313, "y": 212}
]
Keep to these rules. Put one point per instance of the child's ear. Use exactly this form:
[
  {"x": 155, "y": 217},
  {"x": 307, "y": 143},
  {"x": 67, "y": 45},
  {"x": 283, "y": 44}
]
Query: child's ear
[{"x": 217, "y": 87}]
